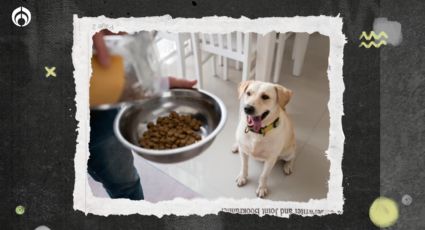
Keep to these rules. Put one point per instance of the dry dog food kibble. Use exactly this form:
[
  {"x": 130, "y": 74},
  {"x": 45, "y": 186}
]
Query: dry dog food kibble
[{"x": 171, "y": 132}]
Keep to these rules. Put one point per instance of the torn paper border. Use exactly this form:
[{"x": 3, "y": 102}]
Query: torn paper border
[{"x": 86, "y": 202}]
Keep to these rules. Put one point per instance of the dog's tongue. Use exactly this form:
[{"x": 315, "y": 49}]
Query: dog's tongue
[{"x": 254, "y": 122}]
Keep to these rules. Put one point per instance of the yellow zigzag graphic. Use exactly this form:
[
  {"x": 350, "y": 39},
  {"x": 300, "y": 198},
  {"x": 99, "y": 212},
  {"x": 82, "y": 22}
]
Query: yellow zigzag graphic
[
  {"x": 372, "y": 43},
  {"x": 372, "y": 34}
]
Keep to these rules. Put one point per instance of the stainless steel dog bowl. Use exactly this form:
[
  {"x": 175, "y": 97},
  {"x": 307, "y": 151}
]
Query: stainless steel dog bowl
[{"x": 131, "y": 122}]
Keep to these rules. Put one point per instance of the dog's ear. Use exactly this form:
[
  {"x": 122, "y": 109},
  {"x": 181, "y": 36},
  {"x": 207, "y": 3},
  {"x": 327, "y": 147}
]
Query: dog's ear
[
  {"x": 283, "y": 95},
  {"x": 243, "y": 86}
]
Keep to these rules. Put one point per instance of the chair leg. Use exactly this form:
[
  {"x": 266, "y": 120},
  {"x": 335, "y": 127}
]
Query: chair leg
[
  {"x": 181, "y": 56},
  {"x": 238, "y": 48},
  {"x": 300, "y": 48},
  {"x": 294, "y": 47},
  {"x": 220, "y": 60},
  {"x": 225, "y": 69},
  {"x": 265, "y": 56},
  {"x": 279, "y": 56},
  {"x": 247, "y": 57},
  {"x": 214, "y": 63},
  {"x": 238, "y": 65},
  {"x": 197, "y": 57}
]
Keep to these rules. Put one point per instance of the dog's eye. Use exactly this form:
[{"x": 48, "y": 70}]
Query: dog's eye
[
  {"x": 248, "y": 93},
  {"x": 264, "y": 97}
]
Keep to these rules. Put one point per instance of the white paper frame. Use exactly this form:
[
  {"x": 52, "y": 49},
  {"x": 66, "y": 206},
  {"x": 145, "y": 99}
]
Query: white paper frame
[{"x": 85, "y": 27}]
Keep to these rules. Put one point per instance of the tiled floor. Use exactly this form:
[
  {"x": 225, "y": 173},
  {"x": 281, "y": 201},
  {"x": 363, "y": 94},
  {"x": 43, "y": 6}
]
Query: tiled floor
[{"x": 212, "y": 174}]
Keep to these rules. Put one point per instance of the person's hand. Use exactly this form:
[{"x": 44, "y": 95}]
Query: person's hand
[
  {"x": 102, "y": 53},
  {"x": 181, "y": 83}
]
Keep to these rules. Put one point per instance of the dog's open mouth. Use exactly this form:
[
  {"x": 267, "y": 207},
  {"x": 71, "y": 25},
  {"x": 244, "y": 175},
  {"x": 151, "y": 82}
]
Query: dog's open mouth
[{"x": 255, "y": 121}]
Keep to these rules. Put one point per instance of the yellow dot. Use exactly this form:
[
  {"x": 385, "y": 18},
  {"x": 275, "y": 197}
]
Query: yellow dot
[{"x": 383, "y": 212}]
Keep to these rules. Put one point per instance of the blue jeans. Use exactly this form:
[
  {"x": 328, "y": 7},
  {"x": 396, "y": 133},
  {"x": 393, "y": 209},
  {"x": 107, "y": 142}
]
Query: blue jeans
[{"x": 110, "y": 163}]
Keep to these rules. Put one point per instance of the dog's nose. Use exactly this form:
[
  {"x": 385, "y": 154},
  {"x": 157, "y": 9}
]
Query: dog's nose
[{"x": 249, "y": 109}]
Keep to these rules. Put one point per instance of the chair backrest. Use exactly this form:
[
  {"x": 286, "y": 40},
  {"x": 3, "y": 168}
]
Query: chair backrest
[{"x": 230, "y": 45}]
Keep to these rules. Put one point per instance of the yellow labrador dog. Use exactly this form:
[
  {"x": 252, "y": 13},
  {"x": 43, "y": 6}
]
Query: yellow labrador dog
[{"x": 265, "y": 131}]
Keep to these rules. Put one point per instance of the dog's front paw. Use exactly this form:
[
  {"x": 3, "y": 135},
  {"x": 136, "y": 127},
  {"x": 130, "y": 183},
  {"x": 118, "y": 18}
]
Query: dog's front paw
[
  {"x": 261, "y": 191},
  {"x": 288, "y": 168},
  {"x": 241, "y": 180}
]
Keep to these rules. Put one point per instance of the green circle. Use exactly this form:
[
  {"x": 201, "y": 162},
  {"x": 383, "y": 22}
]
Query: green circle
[{"x": 20, "y": 210}]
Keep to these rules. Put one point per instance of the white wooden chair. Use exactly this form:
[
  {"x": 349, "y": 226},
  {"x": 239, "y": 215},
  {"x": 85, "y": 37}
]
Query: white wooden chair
[{"x": 236, "y": 46}]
